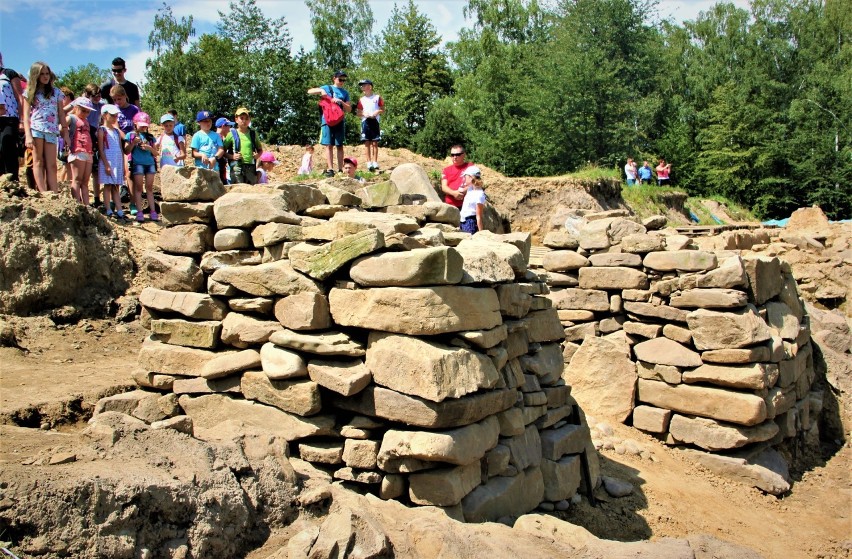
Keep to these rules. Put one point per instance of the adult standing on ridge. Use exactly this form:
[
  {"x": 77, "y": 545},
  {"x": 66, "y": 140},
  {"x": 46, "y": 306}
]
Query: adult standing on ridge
[
  {"x": 119, "y": 68},
  {"x": 645, "y": 173},
  {"x": 663, "y": 170},
  {"x": 452, "y": 179},
  {"x": 334, "y": 136},
  {"x": 630, "y": 171}
]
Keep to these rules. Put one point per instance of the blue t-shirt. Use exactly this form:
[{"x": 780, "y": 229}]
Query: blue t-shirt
[
  {"x": 180, "y": 129},
  {"x": 644, "y": 173},
  {"x": 339, "y": 93},
  {"x": 208, "y": 143},
  {"x": 141, "y": 156}
]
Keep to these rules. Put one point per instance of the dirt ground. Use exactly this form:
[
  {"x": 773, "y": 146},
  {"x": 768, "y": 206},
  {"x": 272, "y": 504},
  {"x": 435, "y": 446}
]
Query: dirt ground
[{"x": 67, "y": 368}]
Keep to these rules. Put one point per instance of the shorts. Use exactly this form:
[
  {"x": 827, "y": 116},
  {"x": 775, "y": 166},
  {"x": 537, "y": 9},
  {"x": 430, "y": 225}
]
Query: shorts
[
  {"x": 82, "y": 156},
  {"x": 46, "y": 136},
  {"x": 333, "y": 135},
  {"x": 136, "y": 169},
  {"x": 663, "y": 182},
  {"x": 370, "y": 131},
  {"x": 468, "y": 225}
]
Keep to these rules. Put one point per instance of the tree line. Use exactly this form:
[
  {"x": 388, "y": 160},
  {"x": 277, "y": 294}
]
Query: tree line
[{"x": 754, "y": 105}]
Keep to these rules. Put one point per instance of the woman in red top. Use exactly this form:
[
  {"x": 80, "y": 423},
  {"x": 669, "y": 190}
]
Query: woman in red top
[{"x": 663, "y": 170}]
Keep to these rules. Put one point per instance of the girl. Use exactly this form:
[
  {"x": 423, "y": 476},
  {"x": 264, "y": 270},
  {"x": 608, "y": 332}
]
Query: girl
[
  {"x": 80, "y": 149},
  {"x": 307, "y": 166},
  {"x": 111, "y": 168},
  {"x": 61, "y": 146},
  {"x": 93, "y": 94},
  {"x": 142, "y": 148},
  {"x": 44, "y": 119},
  {"x": 172, "y": 147},
  {"x": 473, "y": 206},
  {"x": 267, "y": 161}
]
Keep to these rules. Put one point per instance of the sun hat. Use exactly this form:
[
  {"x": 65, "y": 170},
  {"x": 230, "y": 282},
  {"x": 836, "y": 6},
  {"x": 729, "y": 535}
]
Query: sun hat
[
  {"x": 109, "y": 108},
  {"x": 365, "y": 82},
  {"x": 222, "y": 121},
  {"x": 166, "y": 118},
  {"x": 242, "y": 111},
  {"x": 351, "y": 160},
  {"x": 142, "y": 118},
  {"x": 472, "y": 171},
  {"x": 268, "y": 157},
  {"x": 83, "y": 103},
  {"x": 203, "y": 115}
]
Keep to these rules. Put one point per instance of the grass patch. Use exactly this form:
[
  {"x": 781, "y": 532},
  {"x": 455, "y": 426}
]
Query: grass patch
[
  {"x": 593, "y": 172},
  {"x": 647, "y": 200},
  {"x": 706, "y": 217}
]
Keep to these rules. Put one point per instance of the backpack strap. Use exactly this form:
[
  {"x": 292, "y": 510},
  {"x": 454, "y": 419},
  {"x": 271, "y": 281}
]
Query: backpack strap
[
  {"x": 73, "y": 130},
  {"x": 255, "y": 147},
  {"x": 330, "y": 90},
  {"x": 235, "y": 135}
]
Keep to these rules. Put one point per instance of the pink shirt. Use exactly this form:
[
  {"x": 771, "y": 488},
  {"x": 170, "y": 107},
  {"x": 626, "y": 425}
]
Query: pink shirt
[{"x": 82, "y": 142}]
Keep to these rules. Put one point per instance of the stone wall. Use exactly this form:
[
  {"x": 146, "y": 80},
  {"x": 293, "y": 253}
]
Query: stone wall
[
  {"x": 385, "y": 347},
  {"x": 706, "y": 350}
]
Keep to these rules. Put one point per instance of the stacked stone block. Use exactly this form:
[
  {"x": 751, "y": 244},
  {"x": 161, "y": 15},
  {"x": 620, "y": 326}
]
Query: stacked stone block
[
  {"x": 385, "y": 347},
  {"x": 708, "y": 350}
]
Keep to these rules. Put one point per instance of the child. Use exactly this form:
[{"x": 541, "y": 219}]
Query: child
[
  {"x": 61, "y": 146},
  {"x": 350, "y": 165},
  {"x": 370, "y": 107},
  {"x": 93, "y": 94},
  {"x": 44, "y": 119},
  {"x": 142, "y": 148},
  {"x": 206, "y": 144},
  {"x": 473, "y": 206},
  {"x": 80, "y": 150},
  {"x": 172, "y": 146},
  {"x": 307, "y": 166},
  {"x": 243, "y": 149},
  {"x": 111, "y": 168},
  {"x": 267, "y": 161}
]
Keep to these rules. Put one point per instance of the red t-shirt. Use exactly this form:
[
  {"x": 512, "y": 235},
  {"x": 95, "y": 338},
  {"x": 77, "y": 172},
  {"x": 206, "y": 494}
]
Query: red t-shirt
[{"x": 453, "y": 176}]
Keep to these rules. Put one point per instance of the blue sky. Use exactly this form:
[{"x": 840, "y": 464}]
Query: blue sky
[{"x": 75, "y": 32}]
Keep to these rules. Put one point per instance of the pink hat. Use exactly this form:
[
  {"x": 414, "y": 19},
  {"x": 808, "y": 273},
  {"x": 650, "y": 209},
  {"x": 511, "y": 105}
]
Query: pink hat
[
  {"x": 268, "y": 157},
  {"x": 142, "y": 119},
  {"x": 351, "y": 160}
]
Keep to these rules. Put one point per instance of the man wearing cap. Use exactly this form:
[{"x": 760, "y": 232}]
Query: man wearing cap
[
  {"x": 206, "y": 144},
  {"x": 333, "y": 136},
  {"x": 452, "y": 179},
  {"x": 370, "y": 106},
  {"x": 243, "y": 149},
  {"x": 223, "y": 128}
]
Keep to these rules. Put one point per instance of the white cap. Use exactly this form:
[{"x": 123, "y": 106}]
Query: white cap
[{"x": 472, "y": 171}]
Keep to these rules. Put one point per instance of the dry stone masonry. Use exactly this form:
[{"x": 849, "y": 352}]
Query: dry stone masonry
[
  {"x": 707, "y": 350},
  {"x": 384, "y": 347}
]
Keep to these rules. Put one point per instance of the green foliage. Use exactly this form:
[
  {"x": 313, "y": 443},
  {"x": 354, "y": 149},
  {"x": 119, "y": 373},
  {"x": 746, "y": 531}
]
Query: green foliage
[
  {"x": 341, "y": 29},
  {"x": 443, "y": 130},
  {"x": 78, "y": 77}
]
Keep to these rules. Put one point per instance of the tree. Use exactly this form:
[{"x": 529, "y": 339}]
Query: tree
[
  {"x": 341, "y": 30},
  {"x": 410, "y": 72},
  {"x": 77, "y": 78}
]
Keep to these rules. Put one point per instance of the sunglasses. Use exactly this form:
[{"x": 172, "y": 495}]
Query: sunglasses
[
  {"x": 456, "y": 154},
  {"x": 119, "y": 70}
]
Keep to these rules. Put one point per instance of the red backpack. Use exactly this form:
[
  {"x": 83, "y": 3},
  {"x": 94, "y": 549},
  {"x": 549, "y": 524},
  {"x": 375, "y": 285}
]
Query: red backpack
[{"x": 331, "y": 111}]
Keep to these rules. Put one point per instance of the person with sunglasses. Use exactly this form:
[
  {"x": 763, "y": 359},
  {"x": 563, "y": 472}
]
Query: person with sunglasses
[
  {"x": 452, "y": 177},
  {"x": 334, "y": 136},
  {"x": 119, "y": 69}
]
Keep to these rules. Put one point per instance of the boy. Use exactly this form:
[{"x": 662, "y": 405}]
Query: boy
[
  {"x": 333, "y": 137},
  {"x": 223, "y": 128},
  {"x": 350, "y": 165},
  {"x": 206, "y": 144},
  {"x": 243, "y": 149},
  {"x": 370, "y": 107}
]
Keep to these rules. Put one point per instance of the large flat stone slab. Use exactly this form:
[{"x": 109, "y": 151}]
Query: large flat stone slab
[
  {"x": 603, "y": 378},
  {"x": 377, "y": 401},
  {"x": 663, "y": 351},
  {"x": 247, "y": 209},
  {"x": 709, "y": 299},
  {"x": 580, "y": 299},
  {"x": 722, "y": 330},
  {"x": 189, "y": 184},
  {"x": 724, "y": 405},
  {"x": 444, "y": 487},
  {"x": 612, "y": 277},
  {"x": 319, "y": 343},
  {"x": 300, "y": 397},
  {"x": 320, "y": 262},
  {"x": 680, "y": 260},
  {"x": 713, "y": 435},
  {"x": 428, "y": 369},
  {"x": 198, "y": 306},
  {"x": 157, "y": 357},
  {"x": 504, "y": 496},
  {"x": 767, "y": 471},
  {"x": 416, "y": 310},
  {"x": 273, "y": 278},
  {"x": 414, "y": 268},
  {"x": 461, "y": 446},
  {"x": 755, "y": 376}
]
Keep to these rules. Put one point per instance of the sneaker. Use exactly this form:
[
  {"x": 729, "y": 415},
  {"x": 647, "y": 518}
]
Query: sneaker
[
  {"x": 120, "y": 217},
  {"x": 140, "y": 218},
  {"x": 329, "y": 172},
  {"x": 109, "y": 213},
  {"x": 154, "y": 216},
  {"x": 97, "y": 204},
  {"x": 133, "y": 210},
  {"x": 112, "y": 206}
]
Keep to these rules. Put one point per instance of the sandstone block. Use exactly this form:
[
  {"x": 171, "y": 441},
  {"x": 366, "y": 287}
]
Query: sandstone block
[
  {"x": 462, "y": 446},
  {"x": 242, "y": 330},
  {"x": 603, "y": 378},
  {"x": 303, "y": 311},
  {"x": 485, "y": 338},
  {"x": 660, "y": 312},
  {"x": 737, "y": 356},
  {"x": 270, "y": 234},
  {"x": 680, "y": 260},
  {"x": 321, "y": 261},
  {"x": 666, "y": 373},
  {"x": 782, "y": 320},
  {"x": 191, "y": 305},
  {"x": 580, "y": 299},
  {"x": 180, "y": 213},
  {"x": 765, "y": 279},
  {"x": 524, "y": 449},
  {"x": 261, "y": 305},
  {"x": 651, "y": 419},
  {"x": 200, "y": 385},
  {"x": 360, "y": 454},
  {"x": 641, "y": 243},
  {"x": 189, "y": 184},
  {"x": 247, "y": 209},
  {"x": 212, "y": 261},
  {"x": 713, "y": 435},
  {"x": 721, "y": 330},
  {"x": 203, "y": 334},
  {"x": 326, "y": 343},
  {"x": 386, "y": 223},
  {"x": 344, "y": 377},
  {"x": 546, "y": 363},
  {"x": 157, "y": 357},
  {"x": 274, "y": 278},
  {"x": 729, "y": 274},
  {"x": 714, "y": 298},
  {"x": 560, "y": 240},
  {"x": 504, "y": 496},
  {"x": 666, "y": 352},
  {"x": 677, "y": 333},
  {"x": 301, "y": 397},
  {"x": 190, "y": 239},
  {"x": 481, "y": 264},
  {"x": 411, "y": 179},
  {"x": 561, "y": 478},
  {"x": 755, "y": 376},
  {"x": 543, "y": 326},
  {"x": 642, "y": 329},
  {"x": 431, "y": 266},
  {"x": 229, "y": 363},
  {"x": 563, "y": 261},
  {"x": 766, "y": 471},
  {"x": 427, "y": 369},
  {"x": 568, "y": 439},
  {"x": 322, "y": 452},
  {"x": 170, "y": 273},
  {"x": 279, "y": 363},
  {"x": 417, "y": 310},
  {"x": 620, "y": 259},
  {"x": 231, "y": 239},
  {"x": 443, "y": 487},
  {"x": 724, "y": 405},
  {"x": 511, "y": 422},
  {"x": 614, "y": 277}
]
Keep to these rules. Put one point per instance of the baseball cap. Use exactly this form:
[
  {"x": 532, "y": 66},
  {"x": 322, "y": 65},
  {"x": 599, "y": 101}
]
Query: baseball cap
[
  {"x": 222, "y": 121},
  {"x": 203, "y": 115},
  {"x": 365, "y": 82},
  {"x": 111, "y": 109},
  {"x": 472, "y": 171},
  {"x": 141, "y": 118},
  {"x": 268, "y": 157},
  {"x": 351, "y": 160},
  {"x": 166, "y": 118},
  {"x": 242, "y": 111},
  {"x": 84, "y": 103},
  {"x": 340, "y": 74}
]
